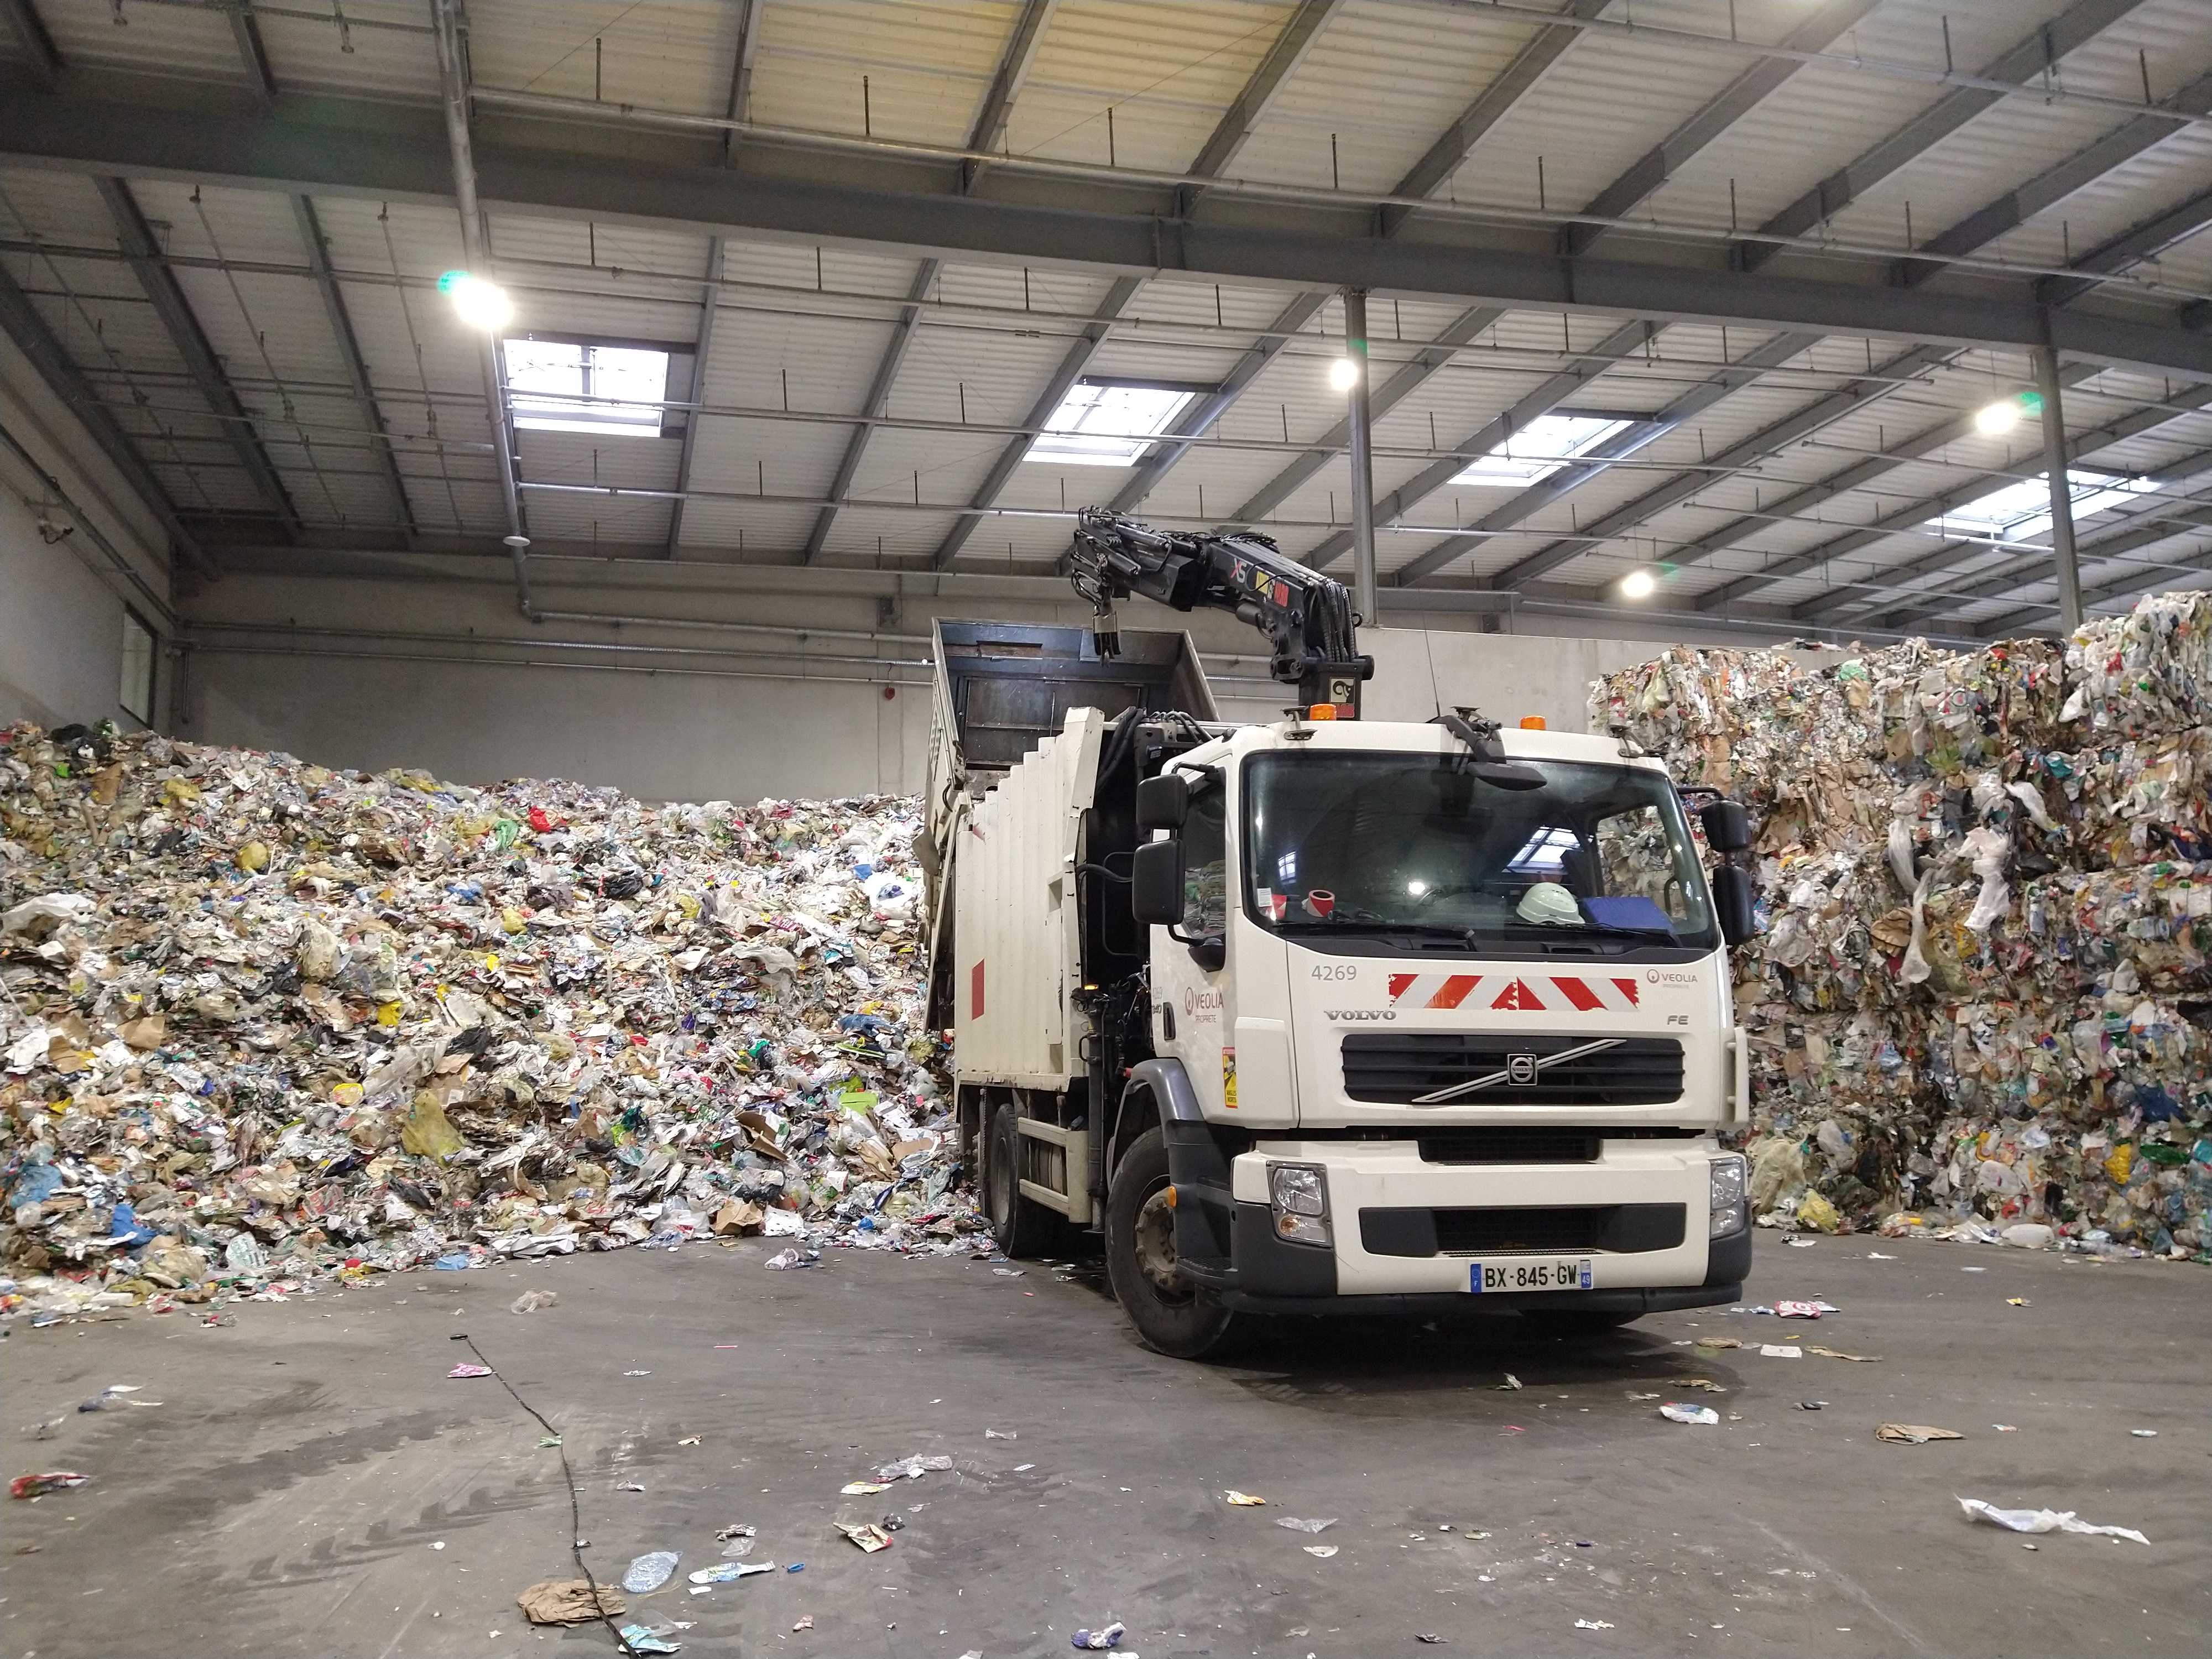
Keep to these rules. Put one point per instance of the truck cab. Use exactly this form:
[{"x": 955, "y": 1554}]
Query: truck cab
[{"x": 1423, "y": 1034}]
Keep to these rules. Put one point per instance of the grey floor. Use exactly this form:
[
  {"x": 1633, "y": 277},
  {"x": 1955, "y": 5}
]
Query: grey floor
[{"x": 285, "y": 1495}]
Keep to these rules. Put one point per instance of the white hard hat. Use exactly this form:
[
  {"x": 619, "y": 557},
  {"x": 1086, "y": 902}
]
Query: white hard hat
[{"x": 1548, "y": 902}]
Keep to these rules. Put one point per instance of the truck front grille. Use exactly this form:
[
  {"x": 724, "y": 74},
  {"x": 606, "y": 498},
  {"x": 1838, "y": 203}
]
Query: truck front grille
[
  {"x": 1618, "y": 1228},
  {"x": 1400, "y": 1068}
]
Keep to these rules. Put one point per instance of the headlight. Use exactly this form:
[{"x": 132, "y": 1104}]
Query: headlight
[
  {"x": 1724, "y": 1186},
  {"x": 1297, "y": 1193}
]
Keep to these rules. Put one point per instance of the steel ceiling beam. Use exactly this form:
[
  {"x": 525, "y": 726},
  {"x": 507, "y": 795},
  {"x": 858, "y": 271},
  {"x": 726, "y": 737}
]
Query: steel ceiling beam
[
  {"x": 1234, "y": 129},
  {"x": 747, "y": 48},
  {"x": 879, "y": 391},
  {"x": 28, "y": 30},
  {"x": 143, "y": 256},
  {"x": 1072, "y": 365},
  {"x": 246, "y": 29},
  {"x": 1734, "y": 101},
  {"x": 357, "y": 368},
  {"x": 880, "y": 198},
  {"x": 1847, "y": 399},
  {"x": 1014, "y": 65},
  {"x": 51, "y": 358},
  {"x": 1771, "y": 354},
  {"x": 2028, "y": 569},
  {"x": 2034, "y": 54},
  {"x": 2137, "y": 580},
  {"x": 1915, "y": 514},
  {"x": 2132, "y": 247},
  {"x": 2055, "y": 184},
  {"x": 1530, "y": 66}
]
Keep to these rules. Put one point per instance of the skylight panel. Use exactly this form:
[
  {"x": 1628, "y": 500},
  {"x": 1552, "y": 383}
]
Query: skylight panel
[
  {"x": 565, "y": 386},
  {"x": 1108, "y": 424},
  {"x": 2022, "y": 510},
  {"x": 1540, "y": 449}
]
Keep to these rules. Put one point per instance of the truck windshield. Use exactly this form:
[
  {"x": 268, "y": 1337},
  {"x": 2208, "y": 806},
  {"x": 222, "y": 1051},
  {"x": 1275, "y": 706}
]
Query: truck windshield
[{"x": 1417, "y": 845}]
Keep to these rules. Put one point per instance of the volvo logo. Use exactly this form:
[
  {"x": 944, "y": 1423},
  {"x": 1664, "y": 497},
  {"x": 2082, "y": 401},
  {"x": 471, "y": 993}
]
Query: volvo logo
[
  {"x": 1519, "y": 1070},
  {"x": 1363, "y": 1013}
]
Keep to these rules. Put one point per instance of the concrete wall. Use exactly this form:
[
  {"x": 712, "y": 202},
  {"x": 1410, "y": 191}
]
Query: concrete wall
[
  {"x": 62, "y": 603},
  {"x": 371, "y": 662}
]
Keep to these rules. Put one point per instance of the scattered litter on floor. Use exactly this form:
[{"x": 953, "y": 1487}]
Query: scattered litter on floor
[
  {"x": 568, "y": 1601},
  {"x": 1704, "y": 1383},
  {"x": 1323, "y": 1551},
  {"x": 1024, "y": 1468},
  {"x": 35, "y": 1486},
  {"x": 1704, "y": 1415},
  {"x": 727, "y": 1572},
  {"x": 466, "y": 1368},
  {"x": 806, "y": 1621},
  {"x": 640, "y": 1638},
  {"x": 1595, "y": 1624},
  {"x": 1000, "y": 1434},
  {"x": 2043, "y": 1521},
  {"x": 867, "y": 1535},
  {"x": 1510, "y": 1382},
  {"x": 914, "y": 1468},
  {"x": 532, "y": 1301},
  {"x": 291, "y": 1024},
  {"x": 1812, "y": 1405},
  {"x": 1242, "y": 1499},
  {"x": 1913, "y": 1434},
  {"x": 648, "y": 1572},
  {"x": 2144, "y": 1434},
  {"x": 1803, "y": 1310},
  {"x": 1838, "y": 1353},
  {"x": 1297, "y": 1525},
  {"x": 1794, "y": 1244},
  {"x": 1779, "y": 1350},
  {"x": 1091, "y": 1641}
]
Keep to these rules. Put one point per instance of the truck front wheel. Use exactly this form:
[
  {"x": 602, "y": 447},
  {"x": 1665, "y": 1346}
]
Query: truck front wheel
[
  {"x": 1172, "y": 1316},
  {"x": 1024, "y": 1227}
]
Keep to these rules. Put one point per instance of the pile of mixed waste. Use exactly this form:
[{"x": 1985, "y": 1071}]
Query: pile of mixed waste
[
  {"x": 1980, "y": 999},
  {"x": 261, "y": 1023}
]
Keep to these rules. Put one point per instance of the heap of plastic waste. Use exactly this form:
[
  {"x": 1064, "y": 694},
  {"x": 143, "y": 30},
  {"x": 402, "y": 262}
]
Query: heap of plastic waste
[
  {"x": 261, "y": 1023},
  {"x": 1980, "y": 999}
]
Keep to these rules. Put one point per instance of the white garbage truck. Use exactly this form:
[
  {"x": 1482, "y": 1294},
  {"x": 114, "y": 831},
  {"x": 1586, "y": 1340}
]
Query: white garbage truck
[{"x": 1325, "y": 1015}]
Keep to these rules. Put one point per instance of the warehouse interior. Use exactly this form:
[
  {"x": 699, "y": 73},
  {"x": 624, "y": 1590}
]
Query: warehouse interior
[{"x": 616, "y": 394}]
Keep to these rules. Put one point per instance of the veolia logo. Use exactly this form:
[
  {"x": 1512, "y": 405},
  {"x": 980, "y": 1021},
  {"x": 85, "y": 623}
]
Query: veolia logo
[
  {"x": 1197, "y": 1001},
  {"x": 1663, "y": 976}
]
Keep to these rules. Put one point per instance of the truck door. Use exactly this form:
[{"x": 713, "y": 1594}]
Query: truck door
[{"x": 1189, "y": 1004}]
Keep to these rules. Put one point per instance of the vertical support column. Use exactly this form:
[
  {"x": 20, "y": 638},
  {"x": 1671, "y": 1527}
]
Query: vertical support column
[
  {"x": 1357, "y": 426},
  {"x": 2061, "y": 497}
]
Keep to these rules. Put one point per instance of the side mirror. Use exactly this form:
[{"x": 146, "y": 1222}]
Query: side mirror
[
  {"x": 1155, "y": 881},
  {"x": 1728, "y": 826},
  {"x": 1164, "y": 802},
  {"x": 1209, "y": 954},
  {"x": 1732, "y": 901}
]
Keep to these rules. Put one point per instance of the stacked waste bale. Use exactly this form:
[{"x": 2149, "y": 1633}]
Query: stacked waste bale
[
  {"x": 1981, "y": 993},
  {"x": 261, "y": 1023}
]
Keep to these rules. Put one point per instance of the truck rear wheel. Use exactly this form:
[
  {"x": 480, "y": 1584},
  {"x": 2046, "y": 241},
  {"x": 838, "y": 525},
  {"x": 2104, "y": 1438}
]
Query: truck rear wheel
[
  {"x": 1172, "y": 1316},
  {"x": 1024, "y": 1227}
]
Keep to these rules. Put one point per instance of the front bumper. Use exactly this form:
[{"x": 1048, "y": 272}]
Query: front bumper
[{"x": 1636, "y": 1184}]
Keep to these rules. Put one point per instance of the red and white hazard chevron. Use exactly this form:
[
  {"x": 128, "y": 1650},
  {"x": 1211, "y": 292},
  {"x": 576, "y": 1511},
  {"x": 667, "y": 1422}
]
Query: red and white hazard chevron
[{"x": 1529, "y": 993}]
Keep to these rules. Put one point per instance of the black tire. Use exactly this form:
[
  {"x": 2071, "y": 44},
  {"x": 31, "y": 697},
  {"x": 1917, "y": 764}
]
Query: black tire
[
  {"x": 1174, "y": 1317},
  {"x": 1023, "y": 1228},
  {"x": 1567, "y": 1323}
]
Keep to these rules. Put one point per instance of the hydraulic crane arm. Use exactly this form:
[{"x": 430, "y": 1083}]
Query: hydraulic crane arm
[{"x": 1306, "y": 617}]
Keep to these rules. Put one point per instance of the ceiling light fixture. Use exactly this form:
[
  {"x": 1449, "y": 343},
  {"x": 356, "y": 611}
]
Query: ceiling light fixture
[
  {"x": 1993, "y": 420},
  {"x": 1638, "y": 585},
  {"x": 481, "y": 303},
  {"x": 1343, "y": 374}
]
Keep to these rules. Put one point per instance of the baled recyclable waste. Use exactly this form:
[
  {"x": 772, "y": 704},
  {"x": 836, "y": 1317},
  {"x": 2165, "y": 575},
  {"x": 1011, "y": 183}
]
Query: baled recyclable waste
[
  {"x": 425, "y": 1023},
  {"x": 1980, "y": 1002}
]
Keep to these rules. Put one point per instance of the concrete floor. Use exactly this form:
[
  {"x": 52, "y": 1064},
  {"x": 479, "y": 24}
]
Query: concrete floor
[{"x": 285, "y": 1495}]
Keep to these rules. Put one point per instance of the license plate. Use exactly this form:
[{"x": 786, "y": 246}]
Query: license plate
[{"x": 1564, "y": 1272}]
